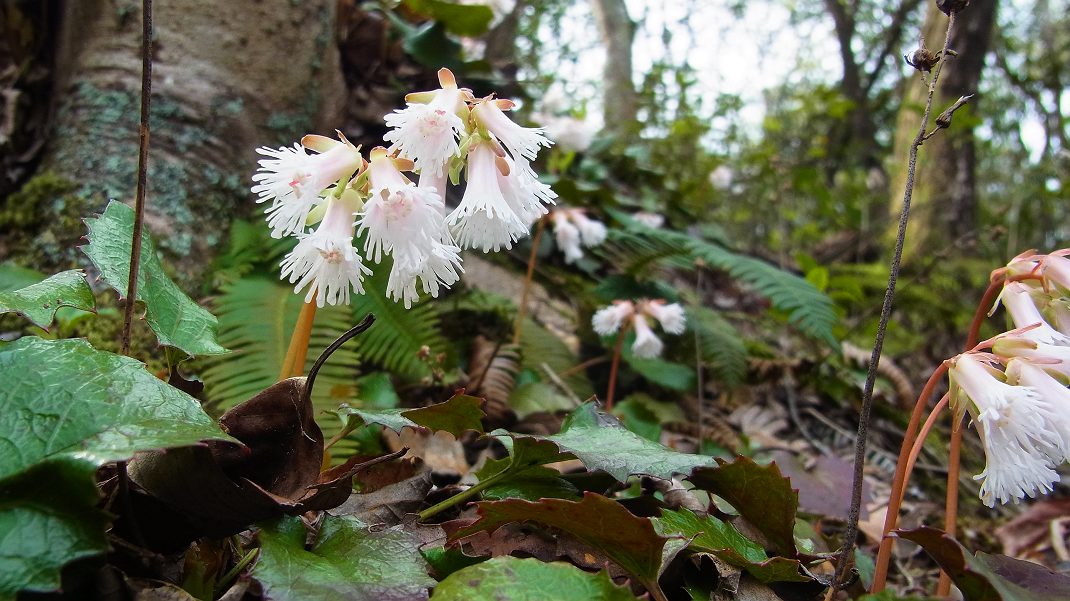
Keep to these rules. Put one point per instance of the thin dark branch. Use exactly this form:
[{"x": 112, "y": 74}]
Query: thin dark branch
[
  {"x": 142, "y": 174},
  {"x": 843, "y": 560}
]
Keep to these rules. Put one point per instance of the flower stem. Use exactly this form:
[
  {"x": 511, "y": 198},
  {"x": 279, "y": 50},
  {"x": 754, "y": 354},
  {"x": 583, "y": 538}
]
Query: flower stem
[
  {"x": 233, "y": 572},
  {"x": 895, "y": 499},
  {"x": 533, "y": 258},
  {"x": 614, "y": 367},
  {"x": 851, "y": 532},
  {"x": 951, "y": 500},
  {"x": 919, "y": 440},
  {"x": 293, "y": 364},
  {"x": 142, "y": 176},
  {"x": 463, "y": 496}
]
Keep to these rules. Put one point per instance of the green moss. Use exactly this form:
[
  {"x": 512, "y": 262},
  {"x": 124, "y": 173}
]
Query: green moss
[{"x": 23, "y": 208}]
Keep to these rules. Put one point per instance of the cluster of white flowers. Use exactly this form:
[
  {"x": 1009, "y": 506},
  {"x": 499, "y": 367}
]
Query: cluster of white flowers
[
  {"x": 623, "y": 314},
  {"x": 574, "y": 230},
  {"x": 1017, "y": 395},
  {"x": 438, "y": 134}
]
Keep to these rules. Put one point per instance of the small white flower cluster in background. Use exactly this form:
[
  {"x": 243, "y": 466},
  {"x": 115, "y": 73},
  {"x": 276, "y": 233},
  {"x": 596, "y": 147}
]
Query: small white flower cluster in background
[
  {"x": 438, "y": 134},
  {"x": 574, "y": 230},
  {"x": 1017, "y": 395},
  {"x": 624, "y": 314}
]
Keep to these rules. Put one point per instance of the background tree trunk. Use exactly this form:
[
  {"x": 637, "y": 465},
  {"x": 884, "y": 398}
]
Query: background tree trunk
[
  {"x": 944, "y": 205},
  {"x": 228, "y": 77},
  {"x": 619, "y": 99}
]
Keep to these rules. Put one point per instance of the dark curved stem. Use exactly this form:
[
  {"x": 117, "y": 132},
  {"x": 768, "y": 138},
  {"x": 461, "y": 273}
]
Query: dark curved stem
[
  {"x": 844, "y": 557},
  {"x": 142, "y": 175},
  {"x": 366, "y": 323}
]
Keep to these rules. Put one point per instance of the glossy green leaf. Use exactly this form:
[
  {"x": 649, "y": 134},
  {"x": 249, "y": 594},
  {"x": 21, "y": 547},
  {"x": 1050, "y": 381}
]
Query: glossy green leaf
[
  {"x": 667, "y": 374},
  {"x": 39, "y": 302},
  {"x": 462, "y": 19},
  {"x": 176, "y": 319},
  {"x": 458, "y": 414},
  {"x": 70, "y": 399},
  {"x": 708, "y": 534},
  {"x": 514, "y": 579},
  {"x": 985, "y": 577},
  {"x": 346, "y": 560},
  {"x": 48, "y": 518},
  {"x": 600, "y": 441},
  {"x": 759, "y": 493},
  {"x": 630, "y": 541}
]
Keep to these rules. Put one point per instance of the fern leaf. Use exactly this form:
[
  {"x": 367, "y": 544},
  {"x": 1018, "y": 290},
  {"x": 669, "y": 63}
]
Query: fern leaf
[
  {"x": 720, "y": 345},
  {"x": 394, "y": 342},
  {"x": 256, "y": 318},
  {"x": 539, "y": 346}
]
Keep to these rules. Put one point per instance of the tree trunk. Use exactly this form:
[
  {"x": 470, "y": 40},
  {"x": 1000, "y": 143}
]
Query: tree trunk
[
  {"x": 227, "y": 77},
  {"x": 944, "y": 204},
  {"x": 620, "y": 102}
]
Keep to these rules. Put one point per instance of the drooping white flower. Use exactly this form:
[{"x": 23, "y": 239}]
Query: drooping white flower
[
  {"x": 608, "y": 320},
  {"x": 722, "y": 177},
  {"x": 567, "y": 236},
  {"x": 670, "y": 316},
  {"x": 1015, "y": 428},
  {"x": 653, "y": 220},
  {"x": 1019, "y": 303},
  {"x": 521, "y": 142},
  {"x": 647, "y": 345},
  {"x": 484, "y": 219},
  {"x": 592, "y": 232},
  {"x": 1055, "y": 269},
  {"x": 325, "y": 261},
  {"x": 440, "y": 269},
  {"x": 573, "y": 230},
  {"x": 523, "y": 191},
  {"x": 1052, "y": 357},
  {"x": 405, "y": 221},
  {"x": 428, "y": 133},
  {"x": 1056, "y": 396},
  {"x": 292, "y": 180}
]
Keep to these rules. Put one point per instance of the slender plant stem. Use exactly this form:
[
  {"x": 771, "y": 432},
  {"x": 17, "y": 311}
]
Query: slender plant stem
[
  {"x": 919, "y": 440},
  {"x": 293, "y": 364},
  {"x": 844, "y": 558},
  {"x": 954, "y": 467},
  {"x": 533, "y": 258},
  {"x": 463, "y": 496},
  {"x": 895, "y": 499},
  {"x": 575, "y": 369},
  {"x": 233, "y": 572},
  {"x": 951, "y": 504},
  {"x": 142, "y": 175},
  {"x": 613, "y": 367}
]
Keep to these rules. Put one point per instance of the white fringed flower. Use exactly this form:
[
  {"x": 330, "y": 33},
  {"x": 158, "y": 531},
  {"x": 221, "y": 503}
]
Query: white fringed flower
[
  {"x": 1019, "y": 302},
  {"x": 428, "y": 133},
  {"x": 567, "y": 236},
  {"x": 484, "y": 218},
  {"x": 574, "y": 230},
  {"x": 1055, "y": 394},
  {"x": 526, "y": 195},
  {"x": 646, "y": 345},
  {"x": 325, "y": 261},
  {"x": 293, "y": 180},
  {"x": 521, "y": 142},
  {"x": 670, "y": 316},
  {"x": 1014, "y": 425},
  {"x": 439, "y": 269},
  {"x": 592, "y": 232},
  {"x": 608, "y": 320},
  {"x": 1013, "y": 344},
  {"x": 405, "y": 221},
  {"x": 1055, "y": 269}
]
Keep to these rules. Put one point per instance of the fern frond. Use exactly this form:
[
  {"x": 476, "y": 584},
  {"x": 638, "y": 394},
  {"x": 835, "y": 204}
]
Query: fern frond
[
  {"x": 395, "y": 340},
  {"x": 256, "y": 318},
  {"x": 720, "y": 345},
  {"x": 636, "y": 252},
  {"x": 807, "y": 308},
  {"x": 539, "y": 346}
]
